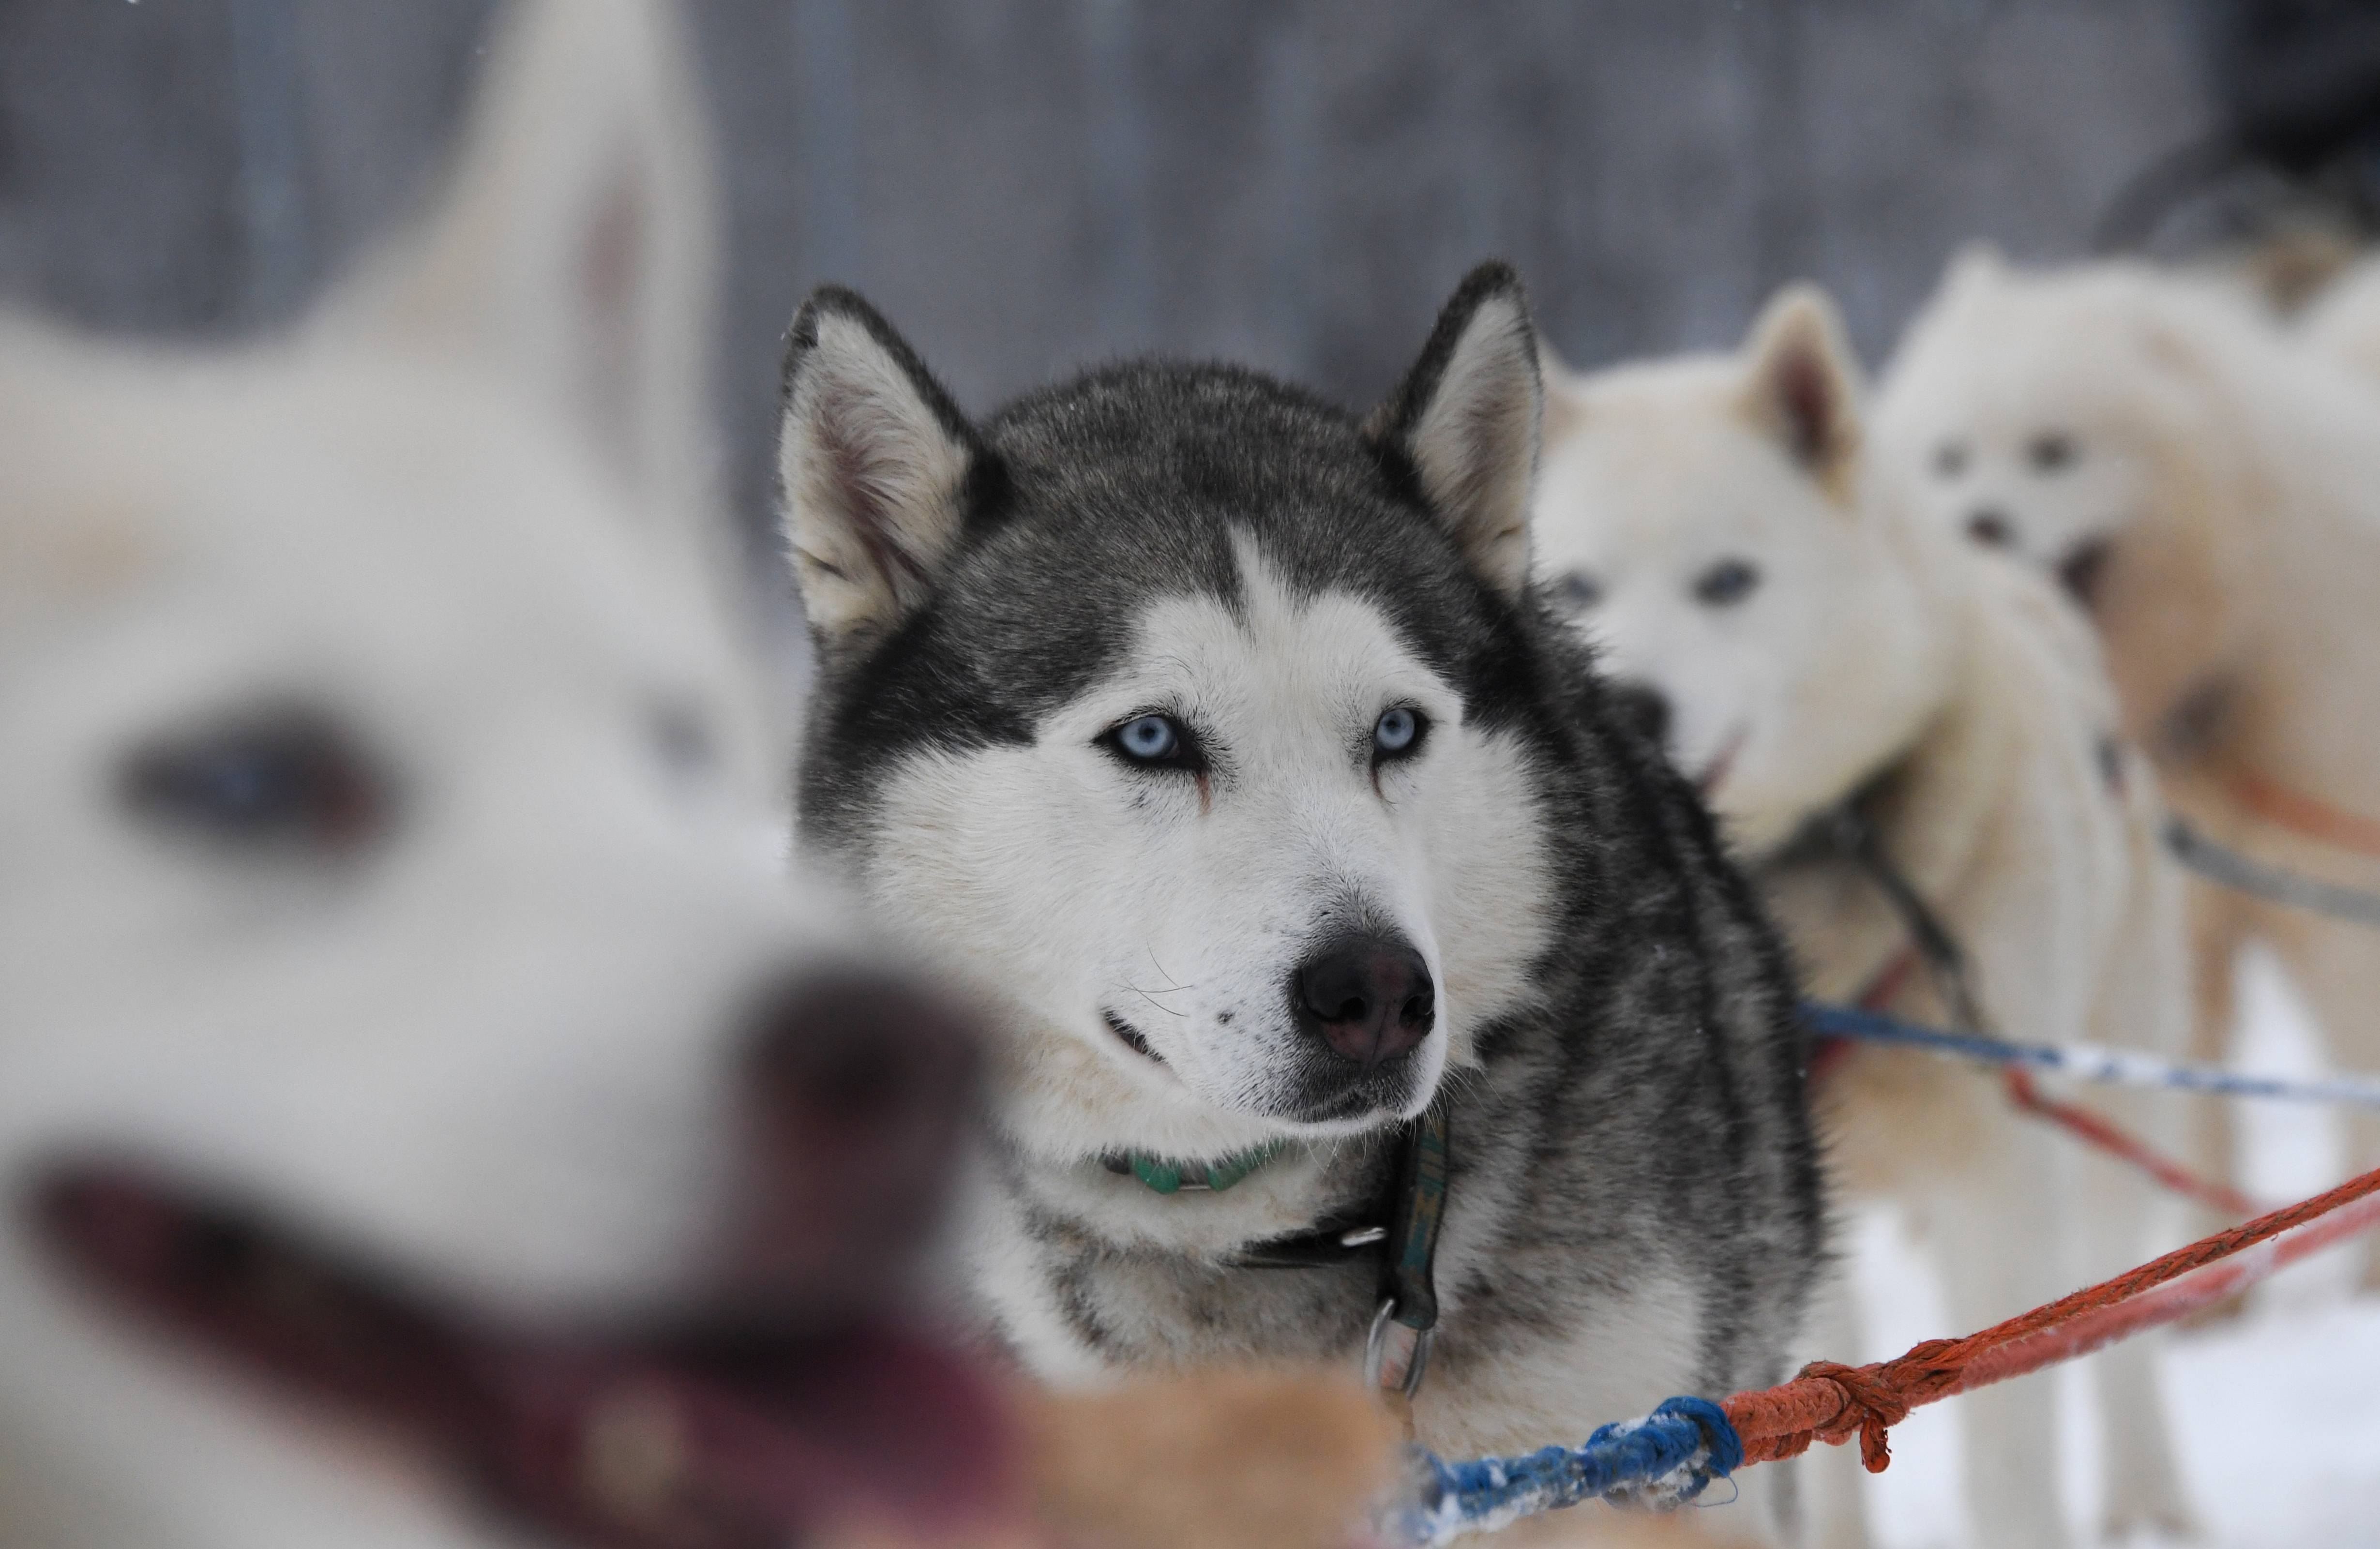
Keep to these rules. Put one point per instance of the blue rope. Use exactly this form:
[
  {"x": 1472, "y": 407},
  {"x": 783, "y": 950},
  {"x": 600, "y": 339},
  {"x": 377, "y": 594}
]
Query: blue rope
[
  {"x": 1662, "y": 1460},
  {"x": 2087, "y": 1061}
]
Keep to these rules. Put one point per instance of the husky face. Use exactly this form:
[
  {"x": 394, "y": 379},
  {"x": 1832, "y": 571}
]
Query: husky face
[
  {"x": 2110, "y": 425},
  {"x": 1701, "y": 522},
  {"x": 406, "y": 1006},
  {"x": 252, "y": 784},
  {"x": 1163, "y": 706},
  {"x": 2006, "y": 419}
]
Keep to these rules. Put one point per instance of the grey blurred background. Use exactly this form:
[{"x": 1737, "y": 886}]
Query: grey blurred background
[{"x": 1030, "y": 186}]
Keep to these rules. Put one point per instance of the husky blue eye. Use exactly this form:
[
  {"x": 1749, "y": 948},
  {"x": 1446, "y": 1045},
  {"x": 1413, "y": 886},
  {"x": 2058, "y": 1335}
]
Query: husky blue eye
[
  {"x": 280, "y": 779},
  {"x": 1396, "y": 732},
  {"x": 1157, "y": 742},
  {"x": 1151, "y": 737},
  {"x": 1726, "y": 582}
]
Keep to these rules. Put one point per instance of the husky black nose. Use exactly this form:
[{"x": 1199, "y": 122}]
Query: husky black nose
[
  {"x": 1992, "y": 528},
  {"x": 1369, "y": 998},
  {"x": 1644, "y": 708},
  {"x": 858, "y": 1088}
]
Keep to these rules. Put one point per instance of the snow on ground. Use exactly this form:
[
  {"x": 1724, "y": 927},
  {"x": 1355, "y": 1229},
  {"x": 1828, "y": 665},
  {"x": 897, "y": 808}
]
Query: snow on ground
[{"x": 2278, "y": 1414}]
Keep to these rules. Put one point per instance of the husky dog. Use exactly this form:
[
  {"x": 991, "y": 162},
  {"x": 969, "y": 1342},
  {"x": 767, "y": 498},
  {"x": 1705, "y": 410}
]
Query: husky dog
[
  {"x": 410, "y": 1036},
  {"x": 1219, "y": 740},
  {"x": 2208, "y": 489},
  {"x": 1817, "y": 657}
]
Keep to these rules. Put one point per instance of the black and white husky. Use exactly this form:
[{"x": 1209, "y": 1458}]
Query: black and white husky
[{"x": 1219, "y": 739}]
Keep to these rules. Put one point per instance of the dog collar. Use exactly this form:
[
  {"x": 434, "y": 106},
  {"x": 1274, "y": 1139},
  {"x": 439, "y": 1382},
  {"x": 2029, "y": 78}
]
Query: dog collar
[
  {"x": 1405, "y": 1244},
  {"x": 1166, "y": 1175}
]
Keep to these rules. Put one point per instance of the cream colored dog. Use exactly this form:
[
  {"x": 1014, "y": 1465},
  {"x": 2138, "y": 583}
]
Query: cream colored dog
[
  {"x": 2209, "y": 488},
  {"x": 1806, "y": 646}
]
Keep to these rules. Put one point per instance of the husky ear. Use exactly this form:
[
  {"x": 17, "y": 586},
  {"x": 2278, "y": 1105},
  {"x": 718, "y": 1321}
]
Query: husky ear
[
  {"x": 1802, "y": 385},
  {"x": 874, "y": 461},
  {"x": 1466, "y": 419},
  {"x": 575, "y": 244}
]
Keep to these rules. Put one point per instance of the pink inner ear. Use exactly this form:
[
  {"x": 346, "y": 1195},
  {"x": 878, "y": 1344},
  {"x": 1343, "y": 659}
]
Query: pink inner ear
[{"x": 1806, "y": 390}]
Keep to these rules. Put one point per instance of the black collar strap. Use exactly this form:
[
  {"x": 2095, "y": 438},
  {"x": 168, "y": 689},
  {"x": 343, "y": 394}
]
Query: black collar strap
[
  {"x": 1407, "y": 1241},
  {"x": 1846, "y": 831}
]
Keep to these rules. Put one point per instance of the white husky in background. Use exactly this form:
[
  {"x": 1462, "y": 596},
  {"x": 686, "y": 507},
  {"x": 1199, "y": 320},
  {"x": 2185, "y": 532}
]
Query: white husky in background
[
  {"x": 2208, "y": 488},
  {"x": 387, "y": 934},
  {"x": 1807, "y": 649}
]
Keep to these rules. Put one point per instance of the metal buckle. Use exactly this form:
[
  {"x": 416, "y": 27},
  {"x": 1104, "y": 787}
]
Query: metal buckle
[{"x": 1375, "y": 1345}]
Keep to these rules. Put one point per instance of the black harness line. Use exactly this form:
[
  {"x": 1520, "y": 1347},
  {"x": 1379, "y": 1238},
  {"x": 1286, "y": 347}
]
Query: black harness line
[
  {"x": 2220, "y": 863},
  {"x": 1404, "y": 1239}
]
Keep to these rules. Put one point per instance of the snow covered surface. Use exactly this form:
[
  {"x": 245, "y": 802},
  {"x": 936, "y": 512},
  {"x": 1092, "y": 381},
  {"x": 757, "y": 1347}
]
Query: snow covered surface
[{"x": 2278, "y": 1413}]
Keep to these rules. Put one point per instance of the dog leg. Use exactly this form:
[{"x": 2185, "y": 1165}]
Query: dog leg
[
  {"x": 2216, "y": 934},
  {"x": 1997, "y": 1247},
  {"x": 2120, "y": 1221}
]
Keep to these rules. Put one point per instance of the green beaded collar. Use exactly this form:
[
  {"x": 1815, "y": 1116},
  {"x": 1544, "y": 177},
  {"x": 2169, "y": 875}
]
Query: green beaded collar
[{"x": 1166, "y": 1175}]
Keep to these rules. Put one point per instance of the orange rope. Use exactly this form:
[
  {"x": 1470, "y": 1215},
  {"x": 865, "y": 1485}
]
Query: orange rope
[
  {"x": 2106, "y": 1134},
  {"x": 1831, "y": 1403},
  {"x": 2306, "y": 816}
]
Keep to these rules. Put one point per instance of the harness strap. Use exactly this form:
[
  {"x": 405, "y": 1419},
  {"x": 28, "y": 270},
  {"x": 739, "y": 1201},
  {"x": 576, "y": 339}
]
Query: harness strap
[
  {"x": 2308, "y": 817},
  {"x": 1405, "y": 1242},
  {"x": 1828, "y": 1050},
  {"x": 1930, "y": 940},
  {"x": 1847, "y": 831},
  {"x": 2221, "y": 864}
]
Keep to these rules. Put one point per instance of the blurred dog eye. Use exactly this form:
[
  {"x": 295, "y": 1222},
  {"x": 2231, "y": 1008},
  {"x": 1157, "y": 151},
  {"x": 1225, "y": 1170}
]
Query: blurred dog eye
[
  {"x": 282, "y": 780},
  {"x": 1577, "y": 591},
  {"x": 1154, "y": 742},
  {"x": 1397, "y": 734},
  {"x": 1951, "y": 459},
  {"x": 1726, "y": 582},
  {"x": 2050, "y": 453}
]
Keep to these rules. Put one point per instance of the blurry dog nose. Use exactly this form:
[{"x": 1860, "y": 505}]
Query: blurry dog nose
[
  {"x": 1369, "y": 997},
  {"x": 859, "y": 1086},
  {"x": 1992, "y": 528},
  {"x": 1644, "y": 708}
]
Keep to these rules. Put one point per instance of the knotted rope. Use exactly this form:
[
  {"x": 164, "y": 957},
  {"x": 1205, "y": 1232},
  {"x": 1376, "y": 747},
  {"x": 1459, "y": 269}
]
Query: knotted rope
[
  {"x": 1668, "y": 1456},
  {"x": 1831, "y": 1403}
]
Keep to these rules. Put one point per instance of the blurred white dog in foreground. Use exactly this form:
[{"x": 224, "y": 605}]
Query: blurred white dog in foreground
[
  {"x": 398, "y": 988},
  {"x": 1826, "y": 664}
]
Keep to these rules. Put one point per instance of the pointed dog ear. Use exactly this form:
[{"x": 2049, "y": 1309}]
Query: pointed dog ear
[
  {"x": 874, "y": 462},
  {"x": 574, "y": 246},
  {"x": 1466, "y": 420},
  {"x": 1802, "y": 385}
]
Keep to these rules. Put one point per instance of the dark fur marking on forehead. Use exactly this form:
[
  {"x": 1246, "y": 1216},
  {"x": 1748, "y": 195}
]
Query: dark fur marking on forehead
[{"x": 1137, "y": 479}]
